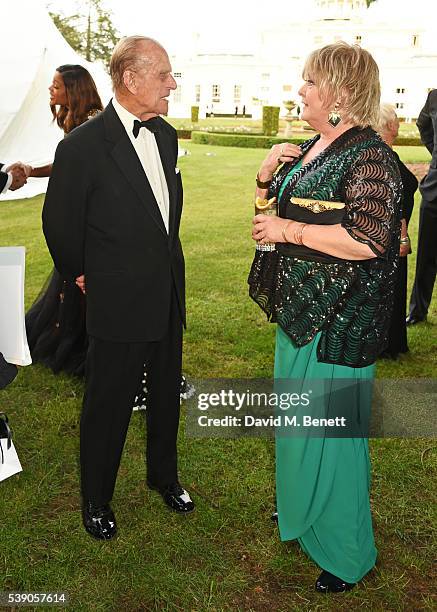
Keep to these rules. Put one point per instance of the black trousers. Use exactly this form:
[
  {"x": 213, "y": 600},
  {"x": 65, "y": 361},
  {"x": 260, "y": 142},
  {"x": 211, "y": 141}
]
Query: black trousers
[
  {"x": 113, "y": 374},
  {"x": 397, "y": 335},
  {"x": 426, "y": 262}
]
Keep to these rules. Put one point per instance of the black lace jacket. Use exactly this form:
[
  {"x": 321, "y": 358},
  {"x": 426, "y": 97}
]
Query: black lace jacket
[{"x": 306, "y": 291}]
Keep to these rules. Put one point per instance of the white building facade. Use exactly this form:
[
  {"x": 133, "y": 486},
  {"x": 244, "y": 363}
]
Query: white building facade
[{"x": 231, "y": 76}]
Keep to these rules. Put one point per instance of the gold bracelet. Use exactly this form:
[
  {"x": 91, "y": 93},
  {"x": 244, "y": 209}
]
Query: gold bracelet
[
  {"x": 298, "y": 234},
  {"x": 284, "y": 230}
]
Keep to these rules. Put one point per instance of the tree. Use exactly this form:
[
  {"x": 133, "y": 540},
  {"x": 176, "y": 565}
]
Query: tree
[{"x": 93, "y": 35}]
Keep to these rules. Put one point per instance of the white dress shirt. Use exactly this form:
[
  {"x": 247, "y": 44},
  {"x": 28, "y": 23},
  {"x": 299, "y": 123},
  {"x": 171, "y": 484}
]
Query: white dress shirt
[{"x": 148, "y": 153}]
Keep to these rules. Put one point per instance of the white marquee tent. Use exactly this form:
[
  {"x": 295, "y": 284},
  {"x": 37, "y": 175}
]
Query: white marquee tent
[{"x": 31, "y": 47}]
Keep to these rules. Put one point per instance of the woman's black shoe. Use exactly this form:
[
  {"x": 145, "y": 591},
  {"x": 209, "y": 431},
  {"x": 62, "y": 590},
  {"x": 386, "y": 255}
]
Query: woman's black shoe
[
  {"x": 274, "y": 517},
  {"x": 328, "y": 583}
]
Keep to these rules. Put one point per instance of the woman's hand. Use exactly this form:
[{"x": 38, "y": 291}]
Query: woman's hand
[
  {"x": 405, "y": 246},
  {"x": 404, "y": 250},
  {"x": 278, "y": 154},
  {"x": 268, "y": 228},
  {"x": 80, "y": 282}
]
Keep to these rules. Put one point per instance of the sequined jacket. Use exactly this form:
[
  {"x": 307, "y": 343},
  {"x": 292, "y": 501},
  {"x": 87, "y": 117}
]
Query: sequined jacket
[{"x": 307, "y": 291}]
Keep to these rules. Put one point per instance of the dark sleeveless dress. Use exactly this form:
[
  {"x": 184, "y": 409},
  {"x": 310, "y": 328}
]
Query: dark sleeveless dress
[{"x": 55, "y": 327}]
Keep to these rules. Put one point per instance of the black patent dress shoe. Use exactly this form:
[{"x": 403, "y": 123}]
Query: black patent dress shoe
[
  {"x": 413, "y": 320},
  {"x": 99, "y": 521},
  {"x": 328, "y": 583},
  {"x": 175, "y": 496},
  {"x": 274, "y": 517}
]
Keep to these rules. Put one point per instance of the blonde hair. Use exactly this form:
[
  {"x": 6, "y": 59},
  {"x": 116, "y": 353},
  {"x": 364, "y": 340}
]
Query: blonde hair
[
  {"x": 126, "y": 56},
  {"x": 348, "y": 74},
  {"x": 387, "y": 113}
]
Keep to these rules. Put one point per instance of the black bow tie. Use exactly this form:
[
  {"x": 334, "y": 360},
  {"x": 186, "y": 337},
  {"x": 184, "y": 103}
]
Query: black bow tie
[{"x": 151, "y": 124}]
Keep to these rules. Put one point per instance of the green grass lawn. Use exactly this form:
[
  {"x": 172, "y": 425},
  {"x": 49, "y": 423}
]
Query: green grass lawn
[{"x": 227, "y": 555}]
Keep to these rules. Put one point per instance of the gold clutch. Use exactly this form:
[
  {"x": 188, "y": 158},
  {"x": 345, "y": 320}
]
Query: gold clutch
[{"x": 317, "y": 206}]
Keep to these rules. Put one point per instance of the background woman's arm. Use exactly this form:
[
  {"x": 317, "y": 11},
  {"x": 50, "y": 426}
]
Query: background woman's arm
[{"x": 42, "y": 171}]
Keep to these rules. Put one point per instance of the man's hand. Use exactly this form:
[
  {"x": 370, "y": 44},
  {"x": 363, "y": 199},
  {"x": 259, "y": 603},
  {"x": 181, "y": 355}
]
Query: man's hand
[
  {"x": 80, "y": 282},
  {"x": 16, "y": 166},
  {"x": 18, "y": 177}
]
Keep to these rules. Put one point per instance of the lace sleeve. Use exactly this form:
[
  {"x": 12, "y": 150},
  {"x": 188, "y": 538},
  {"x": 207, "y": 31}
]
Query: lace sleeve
[{"x": 373, "y": 199}]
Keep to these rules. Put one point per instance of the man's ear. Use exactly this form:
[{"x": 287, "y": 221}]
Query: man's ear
[{"x": 129, "y": 81}]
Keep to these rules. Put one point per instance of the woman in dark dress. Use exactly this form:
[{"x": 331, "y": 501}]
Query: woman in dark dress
[
  {"x": 397, "y": 338},
  {"x": 55, "y": 324}
]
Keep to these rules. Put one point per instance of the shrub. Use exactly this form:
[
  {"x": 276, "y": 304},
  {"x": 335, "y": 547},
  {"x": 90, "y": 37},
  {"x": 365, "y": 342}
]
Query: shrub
[
  {"x": 270, "y": 120},
  {"x": 241, "y": 140},
  {"x": 403, "y": 141},
  {"x": 184, "y": 134}
]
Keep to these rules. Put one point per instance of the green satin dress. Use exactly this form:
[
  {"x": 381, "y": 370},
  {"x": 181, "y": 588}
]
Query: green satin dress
[{"x": 322, "y": 483}]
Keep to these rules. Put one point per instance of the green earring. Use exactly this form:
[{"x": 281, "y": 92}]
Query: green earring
[{"x": 334, "y": 117}]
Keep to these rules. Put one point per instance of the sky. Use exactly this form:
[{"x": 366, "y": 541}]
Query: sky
[
  {"x": 228, "y": 24},
  {"x": 232, "y": 21}
]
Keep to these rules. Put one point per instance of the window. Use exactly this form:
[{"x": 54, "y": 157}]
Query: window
[
  {"x": 177, "y": 94},
  {"x": 177, "y": 75},
  {"x": 237, "y": 93},
  {"x": 415, "y": 40},
  {"x": 265, "y": 88},
  {"x": 216, "y": 93},
  {"x": 287, "y": 88},
  {"x": 318, "y": 40},
  {"x": 197, "y": 93},
  {"x": 400, "y": 90},
  {"x": 265, "y": 75},
  {"x": 399, "y": 105},
  {"x": 358, "y": 39}
]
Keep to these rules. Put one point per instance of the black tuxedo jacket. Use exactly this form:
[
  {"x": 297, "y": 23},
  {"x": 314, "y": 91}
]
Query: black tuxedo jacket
[
  {"x": 3, "y": 178},
  {"x": 427, "y": 124},
  {"x": 101, "y": 219}
]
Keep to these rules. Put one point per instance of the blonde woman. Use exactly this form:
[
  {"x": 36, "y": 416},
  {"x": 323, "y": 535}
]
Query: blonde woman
[{"x": 329, "y": 286}]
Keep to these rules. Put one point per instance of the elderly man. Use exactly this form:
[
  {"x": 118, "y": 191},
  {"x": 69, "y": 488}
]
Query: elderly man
[
  {"x": 111, "y": 220},
  {"x": 426, "y": 262}
]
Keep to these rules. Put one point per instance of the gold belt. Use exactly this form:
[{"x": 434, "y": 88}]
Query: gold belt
[{"x": 317, "y": 206}]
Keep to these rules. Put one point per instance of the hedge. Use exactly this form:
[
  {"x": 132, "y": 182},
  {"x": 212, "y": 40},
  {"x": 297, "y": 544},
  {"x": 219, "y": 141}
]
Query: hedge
[
  {"x": 271, "y": 120},
  {"x": 403, "y": 141},
  {"x": 257, "y": 141},
  {"x": 184, "y": 134},
  {"x": 241, "y": 140}
]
